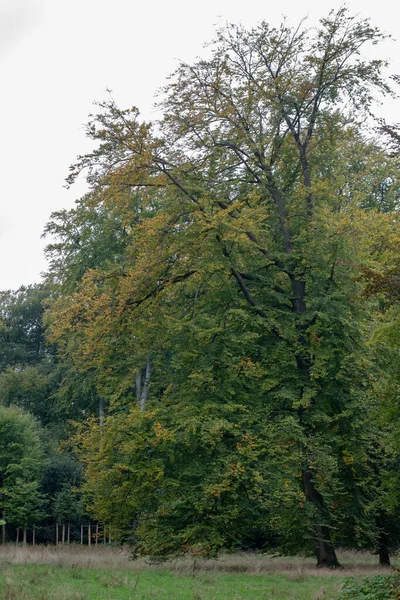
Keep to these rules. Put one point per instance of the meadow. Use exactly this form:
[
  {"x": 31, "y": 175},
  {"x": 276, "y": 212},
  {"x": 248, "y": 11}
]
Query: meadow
[{"x": 79, "y": 573}]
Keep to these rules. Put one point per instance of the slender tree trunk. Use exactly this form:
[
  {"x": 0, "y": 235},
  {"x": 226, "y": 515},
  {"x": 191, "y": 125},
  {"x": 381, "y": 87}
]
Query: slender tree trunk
[
  {"x": 97, "y": 533},
  {"x": 17, "y": 541},
  {"x": 33, "y": 535},
  {"x": 138, "y": 386},
  {"x": 63, "y": 534},
  {"x": 81, "y": 534},
  {"x": 24, "y": 536},
  {"x": 146, "y": 387},
  {"x": 3, "y": 530},
  {"x": 69, "y": 533},
  {"x": 56, "y": 534},
  {"x": 101, "y": 410},
  {"x": 89, "y": 535}
]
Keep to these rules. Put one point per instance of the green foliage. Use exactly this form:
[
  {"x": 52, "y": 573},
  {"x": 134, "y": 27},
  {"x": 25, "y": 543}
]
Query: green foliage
[
  {"x": 21, "y": 464},
  {"x": 31, "y": 389},
  {"x": 28, "y": 372},
  {"x": 67, "y": 505},
  {"x": 21, "y": 331},
  {"x": 196, "y": 487},
  {"x": 88, "y": 237},
  {"x": 379, "y": 587},
  {"x": 23, "y": 503},
  {"x": 21, "y": 453},
  {"x": 60, "y": 469}
]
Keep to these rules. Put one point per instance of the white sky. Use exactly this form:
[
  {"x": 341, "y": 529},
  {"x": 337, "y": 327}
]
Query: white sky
[{"x": 58, "y": 56}]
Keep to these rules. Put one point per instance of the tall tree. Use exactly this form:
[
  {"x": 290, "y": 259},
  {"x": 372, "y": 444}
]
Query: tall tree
[{"x": 249, "y": 208}]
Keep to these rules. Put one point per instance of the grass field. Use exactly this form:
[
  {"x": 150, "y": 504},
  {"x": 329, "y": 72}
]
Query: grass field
[{"x": 79, "y": 573}]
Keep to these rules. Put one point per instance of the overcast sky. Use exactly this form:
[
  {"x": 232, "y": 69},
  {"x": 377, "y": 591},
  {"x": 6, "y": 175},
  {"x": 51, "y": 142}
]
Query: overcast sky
[{"x": 58, "y": 56}]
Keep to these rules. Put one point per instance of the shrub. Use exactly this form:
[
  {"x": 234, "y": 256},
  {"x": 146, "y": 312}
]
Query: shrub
[{"x": 380, "y": 587}]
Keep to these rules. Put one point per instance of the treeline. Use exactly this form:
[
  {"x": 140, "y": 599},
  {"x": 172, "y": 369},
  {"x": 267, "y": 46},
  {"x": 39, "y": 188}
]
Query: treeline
[{"x": 221, "y": 311}]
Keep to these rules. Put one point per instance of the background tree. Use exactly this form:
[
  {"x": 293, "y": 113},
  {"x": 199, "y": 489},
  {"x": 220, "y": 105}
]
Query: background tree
[
  {"x": 23, "y": 503},
  {"x": 21, "y": 331},
  {"x": 68, "y": 509},
  {"x": 21, "y": 464},
  {"x": 86, "y": 237},
  {"x": 28, "y": 371}
]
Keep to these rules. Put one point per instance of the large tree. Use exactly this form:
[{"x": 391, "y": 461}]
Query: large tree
[{"x": 246, "y": 208}]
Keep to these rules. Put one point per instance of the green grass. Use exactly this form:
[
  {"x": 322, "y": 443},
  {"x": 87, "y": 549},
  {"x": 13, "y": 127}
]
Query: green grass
[
  {"x": 104, "y": 572},
  {"x": 41, "y": 582}
]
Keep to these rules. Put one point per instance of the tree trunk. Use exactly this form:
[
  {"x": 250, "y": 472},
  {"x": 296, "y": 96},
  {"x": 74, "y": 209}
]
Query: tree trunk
[
  {"x": 326, "y": 555},
  {"x": 384, "y": 556},
  {"x": 81, "y": 534},
  {"x": 33, "y": 535},
  {"x": 89, "y": 535},
  {"x": 56, "y": 534},
  {"x": 17, "y": 541},
  {"x": 63, "y": 534},
  {"x": 383, "y": 550},
  {"x": 69, "y": 533},
  {"x": 324, "y": 549},
  {"x": 97, "y": 533},
  {"x": 24, "y": 536},
  {"x": 3, "y": 531}
]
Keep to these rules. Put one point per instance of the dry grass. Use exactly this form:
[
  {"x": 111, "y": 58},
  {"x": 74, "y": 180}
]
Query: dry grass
[
  {"x": 295, "y": 568},
  {"x": 72, "y": 556}
]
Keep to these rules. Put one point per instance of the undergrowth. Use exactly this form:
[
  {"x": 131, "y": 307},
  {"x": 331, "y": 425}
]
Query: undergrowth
[{"x": 380, "y": 587}]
